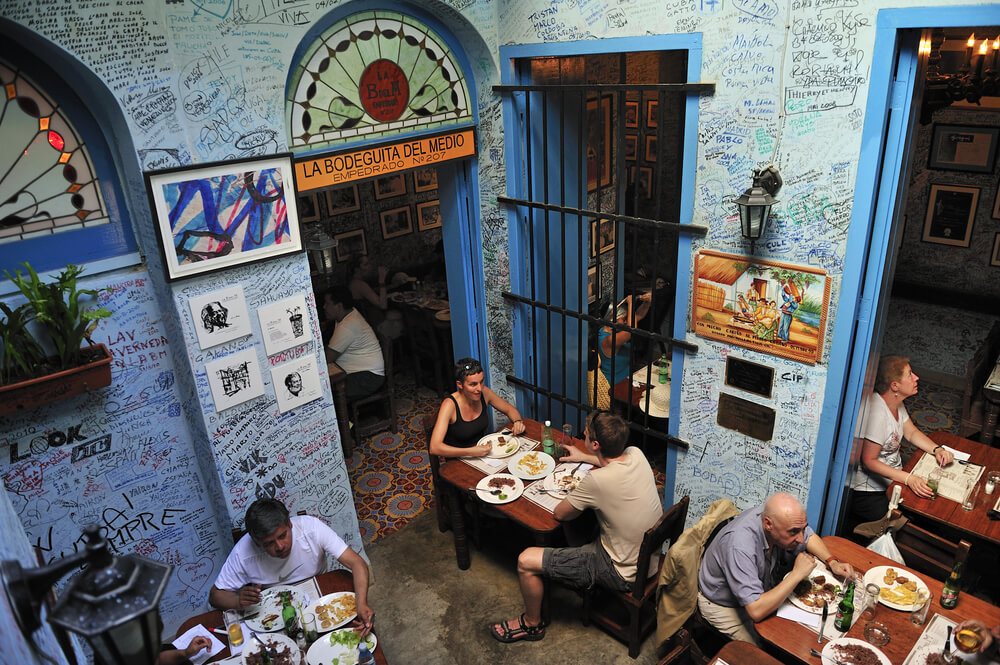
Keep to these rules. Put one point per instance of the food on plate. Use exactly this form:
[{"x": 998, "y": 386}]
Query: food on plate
[
  {"x": 281, "y": 654},
  {"x": 330, "y": 614},
  {"x": 935, "y": 659},
  {"x": 902, "y": 580},
  {"x": 350, "y": 639},
  {"x": 269, "y": 620},
  {"x": 899, "y": 595},
  {"x": 811, "y": 592},
  {"x": 856, "y": 654},
  {"x": 500, "y": 482},
  {"x": 532, "y": 464},
  {"x": 501, "y": 439},
  {"x": 910, "y": 585},
  {"x": 567, "y": 482},
  {"x": 890, "y": 576}
]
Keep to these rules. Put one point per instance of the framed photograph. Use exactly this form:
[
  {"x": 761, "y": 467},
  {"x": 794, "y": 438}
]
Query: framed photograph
[
  {"x": 224, "y": 214},
  {"x": 964, "y": 148},
  {"x": 350, "y": 244},
  {"x": 425, "y": 179},
  {"x": 296, "y": 383},
  {"x": 593, "y": 284},
  {"x": 632, "y": 114},
  {"x": 951, "y": 210},
  {"x": 602, "y": 236},
  {"x": 630, "y": 143},
  {"x": 995, "y": 256},
  {"x": 235, "y": 379},
  {"x": 996, "y": 203},
  {"x": 429, "y": 215},
  {"x": 652, "y": 107},
  {"x": 396, "y": 222},
  {"x": 220, "y": 316},
  {"x": 598, "y": 143},
  {"x": 645, "y": 184},
  {"x": 284, "y": 324},
  {"x": 308, "y": 210},
  {"x": 390, "y": 185},
  {"x": 342, "y": 199},
  {"x": 651, "y": 148}
]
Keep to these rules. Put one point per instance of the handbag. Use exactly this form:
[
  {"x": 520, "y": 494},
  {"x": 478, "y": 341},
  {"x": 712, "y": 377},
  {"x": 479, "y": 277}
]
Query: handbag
[{"x": 886, "y": 546}]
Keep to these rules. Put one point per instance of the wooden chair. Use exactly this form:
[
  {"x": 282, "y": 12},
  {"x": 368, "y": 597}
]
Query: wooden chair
[
  {"x": 426, "y": 352},
  {"x": 926, "y": 552},
  {"x": 444, "y": 523},
  {"x": 639, "y": 599},
  {"x": 383, "y": 395}
]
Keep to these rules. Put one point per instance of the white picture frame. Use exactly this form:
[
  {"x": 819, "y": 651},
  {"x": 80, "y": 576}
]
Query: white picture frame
[
  {"x": 296, "y": 383},
  {"x": 220, "y": 316},
  {"x": 285, "y": 324},
  {"x": 235, "y": 379}
]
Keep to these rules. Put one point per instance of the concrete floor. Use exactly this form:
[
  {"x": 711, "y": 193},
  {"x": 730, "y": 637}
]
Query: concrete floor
[{"x": 430, "y": 612}]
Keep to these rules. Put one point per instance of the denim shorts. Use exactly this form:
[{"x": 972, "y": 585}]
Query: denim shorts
[{"x": 582, "y": 567}]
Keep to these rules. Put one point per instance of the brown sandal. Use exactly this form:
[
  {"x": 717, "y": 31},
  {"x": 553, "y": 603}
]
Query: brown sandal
[{"x": 507, "y": 634}]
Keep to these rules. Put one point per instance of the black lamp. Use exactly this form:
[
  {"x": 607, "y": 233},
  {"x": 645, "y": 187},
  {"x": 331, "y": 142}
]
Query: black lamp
[
  {"x": 755, "y": 204},
  {"x": 112, "y": 603}
]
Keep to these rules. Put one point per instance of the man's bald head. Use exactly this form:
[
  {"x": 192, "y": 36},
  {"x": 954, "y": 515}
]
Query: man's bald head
[{"x": 784, "y": 520}]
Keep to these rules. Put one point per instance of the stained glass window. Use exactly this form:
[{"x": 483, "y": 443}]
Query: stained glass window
[
  {"x": 47, "y": 181},
  {"x": 374, "y": 74}
]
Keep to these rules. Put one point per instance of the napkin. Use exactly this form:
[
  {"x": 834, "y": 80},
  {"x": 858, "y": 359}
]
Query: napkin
[
  {"x": 959, "y": 455},
  {"x": 494, "y": 463},
  {"x": 789, "y": 611},
  {"x": 203, "y": 655}
]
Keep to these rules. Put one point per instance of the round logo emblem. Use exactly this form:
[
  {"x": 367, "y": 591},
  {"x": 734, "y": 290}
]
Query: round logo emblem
[{"x": 384, "y": 90}]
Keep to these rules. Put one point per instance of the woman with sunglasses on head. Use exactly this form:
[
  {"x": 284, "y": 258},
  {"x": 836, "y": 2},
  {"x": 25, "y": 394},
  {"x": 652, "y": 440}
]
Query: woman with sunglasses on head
[{"x": 463, "y": 419}]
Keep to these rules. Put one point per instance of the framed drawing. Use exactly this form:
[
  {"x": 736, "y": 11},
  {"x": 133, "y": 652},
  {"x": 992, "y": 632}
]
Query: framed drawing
[
  {"x": 429, "y": 215},
  {"x": 605, "y": 235},
  {"x": 598, "y": 143},
  {"x": 995, "y": 256},
  {"x": 964, "y": 148},
  {"x": 220, "y": 316},
  {"x": 224, "y": 214},
  {"x": 651, "y": 148},
  {"x": 296, "y": 383},
  {"x": 308, "y": 210},
  {"x": 396, "y": 222},
  {"x": 593, "y": 284},
  {"x": 652, "y": 107},
  {"x": 645, "y": 184},
  {"x": 284, "y": 324},
  {"x": 342, "y": 199},
  {"x": 951, "y": 210},
  {"x": 425, "y": 179},
  {"x": 235, "y": 379},
  {"x": 630, "y": 142},
  {"x": 632, "y": 114},
  {"x": 996, "y": 203},
  {"x": 350, "y": 243},
  {"x": 389, "y": 186}
]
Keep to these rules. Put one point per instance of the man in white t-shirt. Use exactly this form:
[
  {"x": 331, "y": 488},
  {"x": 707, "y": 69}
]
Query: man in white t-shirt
[
  {"x": 353, "y": 346},
  {"x": 280, "y": 550}
]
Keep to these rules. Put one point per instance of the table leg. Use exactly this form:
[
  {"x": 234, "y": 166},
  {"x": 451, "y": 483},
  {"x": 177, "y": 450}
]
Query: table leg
[
  {"x": 454, "y": 500},
  {"x": 990, "y": 422}
]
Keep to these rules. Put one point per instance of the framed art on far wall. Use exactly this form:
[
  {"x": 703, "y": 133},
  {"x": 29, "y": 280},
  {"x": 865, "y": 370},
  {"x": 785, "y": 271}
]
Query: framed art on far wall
[
  {"x": 995, "y": 256},
  {"x": 425, "y": 179},
  {"x": 593, "y": 284},
  {"x": 342, "y": 199},
  {"x": 396, "y": 222},
  {"x": 308, "y": 210},
  {"x": 599, "y": 142},
  {"x": 652, "y": 107},
  {"x": 389, "y": 186},
  {"x": 630, "y": 141},
  {"x": 350, "y": 244},
  {"x": 429, "y": 215},
  {"x": 632, "y": 114},
  {"x": 964, "y": 148},
  {"x": 996, "y": 203},
  {"x": 951, "y": 210}
]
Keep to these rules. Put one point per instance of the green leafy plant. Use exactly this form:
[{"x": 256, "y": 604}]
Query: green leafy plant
[{"x": 58, "y": 308}]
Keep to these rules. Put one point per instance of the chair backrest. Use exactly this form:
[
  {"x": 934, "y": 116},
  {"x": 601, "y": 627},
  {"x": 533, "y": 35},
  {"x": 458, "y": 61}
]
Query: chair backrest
[
  {"x": 668, "y": 527},
  {"x": 420, "y": 329},
  {"x": 386, "y": 345},
  {"x": 927, "y": 552}
]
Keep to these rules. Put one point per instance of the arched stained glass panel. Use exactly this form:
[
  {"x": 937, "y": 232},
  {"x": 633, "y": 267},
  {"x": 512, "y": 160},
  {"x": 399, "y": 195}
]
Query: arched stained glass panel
[
  {"x": 374, "y": 74},
  {"x": 47, "y": 181}
]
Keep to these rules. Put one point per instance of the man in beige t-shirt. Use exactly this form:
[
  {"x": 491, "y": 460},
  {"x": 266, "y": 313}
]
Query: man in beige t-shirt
[{"x": 622, "y": 491}]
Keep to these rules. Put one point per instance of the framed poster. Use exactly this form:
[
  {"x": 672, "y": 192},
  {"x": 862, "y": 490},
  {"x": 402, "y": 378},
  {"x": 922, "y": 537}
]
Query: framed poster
[
  {"x": 283, "y": 324},
  {"x": 350, "y": 243},
  {"x": 652, "y": 107},
  {"x": 593, "y": 284},
  {"x": 396, "y": 222},
  {"x": 224, "y": 214},
  {"x": 996, "y": 203},
  {"x": 632, "y": 115},
  {"x": 630, "y": 143},
  {"x": 342, "y": 199},
  {"x": 645, "y": 184},
  {"x": 995, "y": 256},
  {"x": 235, "y": 379},
  {"x": 296, "y": 383},
  {"x": 602, "y": 236},
  {"x": 598, "y": 143},
  {"x": 951, "y": 210},
  {"x": 308, "y": 210},
  {"x": 425, "y": 179},
  {"x": 763, "y": 305},
  {"x": 964, "y": 148},
  {"x": 220, "y": 316},
  {"x": 651, "y": 148},
  {"x": 389, "y": 186},
  {"x": 429, "y": 215}
]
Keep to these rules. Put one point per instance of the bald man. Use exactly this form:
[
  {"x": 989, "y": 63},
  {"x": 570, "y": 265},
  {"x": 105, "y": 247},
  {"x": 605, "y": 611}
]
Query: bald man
[{"x": 740, "y": 579}]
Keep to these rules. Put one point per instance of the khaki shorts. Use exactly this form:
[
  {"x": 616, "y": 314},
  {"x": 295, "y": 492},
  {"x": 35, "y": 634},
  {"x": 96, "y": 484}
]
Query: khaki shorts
[{"x": 582, "y": 567}]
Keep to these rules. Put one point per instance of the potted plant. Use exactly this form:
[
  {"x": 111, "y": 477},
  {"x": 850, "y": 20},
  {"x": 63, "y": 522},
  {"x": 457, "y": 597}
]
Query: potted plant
[{"x": 30, "y": 377}]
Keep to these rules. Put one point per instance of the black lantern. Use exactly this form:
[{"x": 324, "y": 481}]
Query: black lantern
[
  {"x": 112, "y": 603},
  {"x": 755, "y": 204}
]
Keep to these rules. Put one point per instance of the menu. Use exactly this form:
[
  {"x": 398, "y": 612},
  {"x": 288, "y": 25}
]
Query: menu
[{"x": 956, "y": 478}]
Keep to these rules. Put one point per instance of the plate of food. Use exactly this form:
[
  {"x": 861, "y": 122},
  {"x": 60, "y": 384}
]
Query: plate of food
[
  {"x": 900, "y": 589},
  {"x": 851, "y": 651},
  {"x": 499, "y": 488},
  {"x": 503, "y": 445},
  {"x": 818, "y": 586},
  {"x": 562, "y": 481},
  {"x": 265, "y": 616},
  {"x": 338, "y": 648},
  {"x": 531, "y": 465},
  {"x": 282, "y": 649},
  {"x": 333, "y": 610}
]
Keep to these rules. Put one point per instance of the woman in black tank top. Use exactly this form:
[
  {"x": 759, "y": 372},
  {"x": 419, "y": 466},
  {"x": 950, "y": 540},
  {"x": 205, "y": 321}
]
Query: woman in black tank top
[{"x": 463, "y": 418}]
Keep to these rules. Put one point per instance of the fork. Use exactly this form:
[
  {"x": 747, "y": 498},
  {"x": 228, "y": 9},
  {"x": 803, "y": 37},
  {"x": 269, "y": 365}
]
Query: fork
[
  {"x": 829, "y": 658},
  {"x": 572, "y": 474},
  {"x": 479, "y": 489}
]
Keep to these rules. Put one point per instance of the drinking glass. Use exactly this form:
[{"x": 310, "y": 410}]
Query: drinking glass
[
  {"x": 921, "y": 607},
  {"x": 934, "y": 480},
  {"x": 971, "y": 494},
  {"x": 877, "y": 633},
  {"x": 309, "y": 627},
  {"x": 870, "y": 598},
  {"x": 233, "y": 628},
  {"x": 968, "y": 639},
  {"x": 567, "y": 434}
]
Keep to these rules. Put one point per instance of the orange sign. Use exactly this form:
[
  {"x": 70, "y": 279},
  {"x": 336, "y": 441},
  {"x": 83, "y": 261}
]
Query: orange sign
[{"x": 354, "y": 165}]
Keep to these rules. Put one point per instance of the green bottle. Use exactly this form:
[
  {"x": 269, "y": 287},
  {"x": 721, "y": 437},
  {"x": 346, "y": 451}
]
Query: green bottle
[
  {"x": 288, "y": 615},
  {"x": 548, "y": 440},
  {"x": 845, "y": 610},
  {"x": 949, "y": 594},
  {"x": 664, "y": 369}
]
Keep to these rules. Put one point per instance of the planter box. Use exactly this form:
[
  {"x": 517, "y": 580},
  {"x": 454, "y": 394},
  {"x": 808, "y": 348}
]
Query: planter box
[{"x": 54, "y": 387}]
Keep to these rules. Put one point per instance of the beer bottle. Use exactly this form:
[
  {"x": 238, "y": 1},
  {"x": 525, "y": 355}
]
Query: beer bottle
[
  {"x": 949, "y": 595},
  {"x": 664, "y": 369},
  {"x": 288, "y": 614},
  {"x": 845, "y": 610},
  {"x": 548, "y": 440}
]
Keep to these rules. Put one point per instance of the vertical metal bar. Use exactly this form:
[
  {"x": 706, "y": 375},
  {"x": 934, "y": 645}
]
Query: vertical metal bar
[
  {"x": 546, "y": 225},
  {"x": 562, "y": 230},
  {"x": 532, "y": 273}
]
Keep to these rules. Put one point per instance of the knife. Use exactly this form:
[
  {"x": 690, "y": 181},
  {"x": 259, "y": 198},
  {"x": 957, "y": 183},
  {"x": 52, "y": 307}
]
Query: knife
[
  {"x": 822, "y": 623},
  {"x": 946, "y": 653}
]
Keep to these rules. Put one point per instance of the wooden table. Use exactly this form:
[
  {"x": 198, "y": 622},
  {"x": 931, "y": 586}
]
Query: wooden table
[
  {"x": 796, "y": 640},
  {"x": 950, "y": 513},
  {"x": 329, "y": 582},
  {"x": 338, "y": 378},
  {"x": 743, "y": 653},
  {"x": 991, "y": 391}
]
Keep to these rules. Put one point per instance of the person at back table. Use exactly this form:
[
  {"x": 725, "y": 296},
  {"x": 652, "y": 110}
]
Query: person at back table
[
  {"x": 617, "y": 345},
  {"x": 354, "y": 346},
  {"x": 742, "y": 578},
  {"x": 277, "y": 549},
  {"x": 622, "y": 491},
  {"x": 463, "y": 418}
]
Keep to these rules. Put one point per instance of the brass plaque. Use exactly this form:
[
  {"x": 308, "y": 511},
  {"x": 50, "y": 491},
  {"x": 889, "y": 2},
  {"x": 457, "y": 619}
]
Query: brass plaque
[
  {"x": 747, "y": 417},
  {"x": 752, "y": 377}
]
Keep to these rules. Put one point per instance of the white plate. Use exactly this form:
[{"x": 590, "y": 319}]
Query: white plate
[
  {"x": 270, "y": 603},
  {"x": 876, "y": 575},
  {"x": 326, "y": 600},
  {"x": 820, "y": 569},
  {"x": 497, "y": 450},
  {"x": 548, "y": 464},
  {"x": 276, "y": 640},
  {"x": 551, "y": 481},
  {"x": 483, "y": 489},
  {"x": 322, "y": 652},
  {"x": 831, "y": 655}
]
